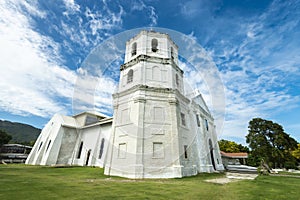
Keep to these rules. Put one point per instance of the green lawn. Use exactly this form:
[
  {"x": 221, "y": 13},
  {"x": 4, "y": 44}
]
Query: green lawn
[{"x": 33, "y": 182}]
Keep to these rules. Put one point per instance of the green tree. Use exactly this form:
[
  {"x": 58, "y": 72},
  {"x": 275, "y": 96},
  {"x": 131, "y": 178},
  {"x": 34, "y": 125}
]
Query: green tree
[
  {"x": 296, "y": 152},
  {"x": 268, "y": 141},
  {"x": 4, "y": 138},
  {"x": 232, "y": 147}
]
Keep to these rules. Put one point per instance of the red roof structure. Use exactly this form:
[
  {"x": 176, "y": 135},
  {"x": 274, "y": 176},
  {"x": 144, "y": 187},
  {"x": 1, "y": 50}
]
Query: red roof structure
[{"x": 234, "y": 155}]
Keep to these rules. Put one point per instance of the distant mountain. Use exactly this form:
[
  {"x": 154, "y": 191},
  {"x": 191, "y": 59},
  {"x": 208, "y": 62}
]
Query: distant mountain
[{"x": 21, "y": 133}]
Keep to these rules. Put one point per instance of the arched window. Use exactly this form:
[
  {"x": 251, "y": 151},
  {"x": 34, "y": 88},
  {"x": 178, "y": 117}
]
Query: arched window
[
  {"x": 198, "y": 120},
  {"x": 133, "y": 49},
  {"x": 130, "y": 76},
  {"x": 172, "y": 53},
  {"x": 101, "y": 148},
  {"x": 177, "y": 79},
  {"x": 40, "y": 146},
  {"x": 185, "y": 151},
  {"x": 154, "y": 44},
  {"x": 79, "y": 150},
  {"x": 48, "y": 146},
  {"x": 88, "y": 157},
  {"x": 206, "y": 124},
  {"x": 211, "y": 149},
  {"x": 183, "y": 122}
]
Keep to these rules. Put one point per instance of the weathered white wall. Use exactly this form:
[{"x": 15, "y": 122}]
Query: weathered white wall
[
  {"x": 65, "y": 137},
  {"x": 67, "y": 146}
]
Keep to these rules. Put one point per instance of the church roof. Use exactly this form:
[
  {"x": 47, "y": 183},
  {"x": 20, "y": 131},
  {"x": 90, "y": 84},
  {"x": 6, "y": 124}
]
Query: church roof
[
  {"x": 92, "y": 112},
  {"x": 234, "y": 155}
]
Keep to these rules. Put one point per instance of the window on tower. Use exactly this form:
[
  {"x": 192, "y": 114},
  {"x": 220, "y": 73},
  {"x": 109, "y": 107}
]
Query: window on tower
[
  {"x": 154, "y": 44},
  {"x": 198, "y": 120},
  {"x": 122, "y": 150},
  {"x": 183, "y": 119},
  {"x": 158, "y": 150},
  {"x": 177, "y": 79},
  {"x": 130, "y": 76},
  {"x": 206, "y": 124},
  {"x": 185, "y": 151},
  {"x": 133, "y": 49},
  {"x": 172, "y": 53}
]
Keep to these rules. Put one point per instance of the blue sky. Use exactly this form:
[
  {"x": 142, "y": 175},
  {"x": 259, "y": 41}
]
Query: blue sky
[{"x": 254, "y": 44}]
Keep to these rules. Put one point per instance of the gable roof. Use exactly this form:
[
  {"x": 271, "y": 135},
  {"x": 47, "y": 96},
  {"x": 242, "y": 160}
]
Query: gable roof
[{"x": 95, "y": 113}]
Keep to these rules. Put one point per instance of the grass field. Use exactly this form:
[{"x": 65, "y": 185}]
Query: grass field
[{"x": 34, "y": 182}]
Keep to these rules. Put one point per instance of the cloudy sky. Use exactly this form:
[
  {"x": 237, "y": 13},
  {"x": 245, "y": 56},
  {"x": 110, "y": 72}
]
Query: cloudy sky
[{"x": 254, "y": 45}]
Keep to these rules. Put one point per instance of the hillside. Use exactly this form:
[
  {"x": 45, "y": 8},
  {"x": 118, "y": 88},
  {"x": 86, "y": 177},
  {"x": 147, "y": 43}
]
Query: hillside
[{"x": 21, "y": 133}]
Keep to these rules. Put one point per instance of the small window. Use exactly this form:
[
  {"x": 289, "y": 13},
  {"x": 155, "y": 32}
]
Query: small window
[
  {"x": 122, "y": 150},
  {"x": 177, "y": 79},
  {"x": 79, "y": 150},
  {"x": 133, "y": 49},
  {"x": 125, "y": 116},
  {"x": 172, "y": 53},
  {"x": 154, "y": 44},
  {"x": 185, "y": 151},
  {"x": 88, "y": 157},
  {"x": 158, "y": 150},
  {"x": 101, "y": 148},
  {"x": 48, "y": 146},
  {"x": 130, "y": 76},
  {"x": 91, "y": 120},
  {"x": 198, "y": 120},
  {"x": 183, "y": 119},
  {"x": 206, "y": 124},
  {"x": 40, "y": 146}
]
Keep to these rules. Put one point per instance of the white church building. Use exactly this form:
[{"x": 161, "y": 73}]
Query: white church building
[{"x": 156, "y": 130}]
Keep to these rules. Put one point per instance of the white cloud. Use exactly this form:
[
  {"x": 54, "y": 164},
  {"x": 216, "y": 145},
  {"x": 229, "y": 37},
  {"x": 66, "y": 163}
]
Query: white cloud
[
  {"x": 71, "y": 6},
  {"x": 138, "y": 5},
  {"x": 193, "y": 9},
  {"x": 32, "y": 8},
  {"x": 98, "y": 21},
  {"x": 201, "y": 73},
  {"x": 153, "y": 16},
  {"x": 32, "y": 77},
  {"x": 257, "y": 69},
  {"x": 36, "y": 82},
  {"x": 150, "y": 10}
]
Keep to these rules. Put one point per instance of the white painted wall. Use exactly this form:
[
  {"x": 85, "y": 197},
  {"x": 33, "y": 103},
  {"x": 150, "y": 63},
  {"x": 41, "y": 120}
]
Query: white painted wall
[{"x": 146, "y": 138}]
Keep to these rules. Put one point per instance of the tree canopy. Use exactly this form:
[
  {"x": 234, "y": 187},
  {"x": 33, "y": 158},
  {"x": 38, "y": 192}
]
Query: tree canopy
[
  {"x": 232, "y": 147},
  {"x": 296, "y": 152},
  {"x": 268, "y": 141},
  {"x": 4, "y": 138}
]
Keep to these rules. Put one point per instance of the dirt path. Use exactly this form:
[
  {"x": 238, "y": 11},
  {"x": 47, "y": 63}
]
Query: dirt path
[{"x": 232, "y": 177}]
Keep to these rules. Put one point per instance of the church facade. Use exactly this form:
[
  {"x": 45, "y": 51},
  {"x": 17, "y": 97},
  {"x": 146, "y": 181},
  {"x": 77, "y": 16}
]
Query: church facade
[{"x": 157, "y": 131}]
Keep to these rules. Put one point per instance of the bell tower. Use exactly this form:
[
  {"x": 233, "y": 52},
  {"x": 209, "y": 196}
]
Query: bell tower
[
  {"x": 152, "y": 136},
  {"x": 151, "y": 59},
  {"x": 145, "y": 133}
]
